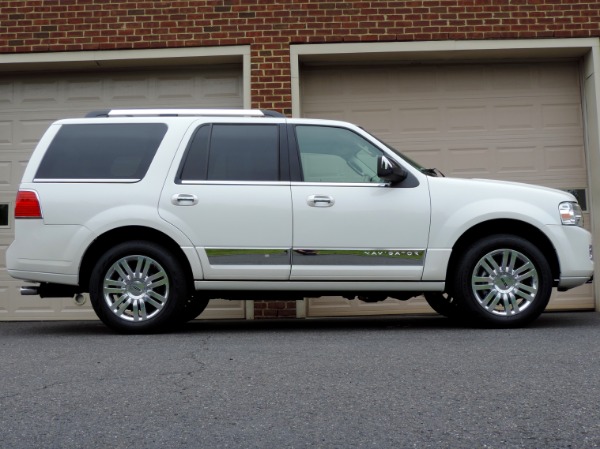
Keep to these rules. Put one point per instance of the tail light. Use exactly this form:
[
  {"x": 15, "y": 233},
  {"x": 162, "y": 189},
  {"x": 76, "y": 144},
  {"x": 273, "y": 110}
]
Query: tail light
[{"x": 27, "y": 205}]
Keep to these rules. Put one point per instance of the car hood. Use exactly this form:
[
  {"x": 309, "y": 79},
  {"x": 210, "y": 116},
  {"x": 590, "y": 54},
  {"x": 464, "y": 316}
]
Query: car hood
[{"x": 497, "y": 187}]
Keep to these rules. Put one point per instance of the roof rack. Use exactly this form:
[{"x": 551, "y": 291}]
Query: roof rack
[{"x": 184, "y": 113}]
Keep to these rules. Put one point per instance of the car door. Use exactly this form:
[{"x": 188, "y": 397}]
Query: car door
[
  {"x": 231, "y": 197},
  {"x": 349, "y": 224}
]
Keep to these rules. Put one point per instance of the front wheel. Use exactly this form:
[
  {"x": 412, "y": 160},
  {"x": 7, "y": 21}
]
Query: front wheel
[
  {"x": 444, "y": 304},
  {"x": 503, "y": 281},
  {"x": 138, "y": 287}
]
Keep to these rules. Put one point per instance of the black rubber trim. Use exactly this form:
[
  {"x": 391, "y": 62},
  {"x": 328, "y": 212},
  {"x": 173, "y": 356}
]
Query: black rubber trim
[
  {"x": 271, "y": 113},
  {"x": 99, "y": 113}
]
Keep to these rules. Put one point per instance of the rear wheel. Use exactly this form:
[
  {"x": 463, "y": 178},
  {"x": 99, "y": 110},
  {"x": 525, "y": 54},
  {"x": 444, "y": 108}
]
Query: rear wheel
[
  {"x": 138, "y": 287},
  {"x": 503, "y": 281}
]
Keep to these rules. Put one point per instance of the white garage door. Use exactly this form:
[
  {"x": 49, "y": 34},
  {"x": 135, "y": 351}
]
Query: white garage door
[
  {"x": 518, "y": 122},
  {"x": 29, "y": 103}
]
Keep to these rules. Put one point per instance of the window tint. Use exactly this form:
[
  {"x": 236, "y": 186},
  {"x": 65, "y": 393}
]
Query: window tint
[
  {"x": 196, "y": 161},
  {"x": 330, "y": 154},
  {"x": 102, "y": 151},
  {"x": 233, "y": 153}
]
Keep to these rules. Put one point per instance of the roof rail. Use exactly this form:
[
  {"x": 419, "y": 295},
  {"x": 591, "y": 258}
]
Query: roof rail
[
  {"x": 184, "y": 113},
  {"x": 270, "y": 113},
  {"x": 101, "y": 113}
]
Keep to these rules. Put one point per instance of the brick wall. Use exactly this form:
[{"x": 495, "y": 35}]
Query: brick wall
[
  {"x": 270, "y": 26},
  {"x": 274, "y": 309}
]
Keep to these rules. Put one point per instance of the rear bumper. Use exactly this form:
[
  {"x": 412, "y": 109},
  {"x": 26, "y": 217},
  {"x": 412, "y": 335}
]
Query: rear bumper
[
  {"x": 568, "y": 283},
  {"x": 37, "y": 276}
]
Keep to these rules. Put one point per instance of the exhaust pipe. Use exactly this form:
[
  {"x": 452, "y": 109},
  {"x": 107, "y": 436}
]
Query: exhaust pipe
[
  {"x": 79, "y": 299},
  {"x": 49, "y": 290},
  {"x": 30, "y": 290}
]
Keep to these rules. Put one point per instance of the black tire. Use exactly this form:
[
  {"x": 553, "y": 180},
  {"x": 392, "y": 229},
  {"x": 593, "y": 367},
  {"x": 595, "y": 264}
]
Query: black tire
[
  {"x": 444, "y": 304},
  {"x": 137, "y": 287},
  {"x": 193, "y": 307},
  {"x": 503, "y": 281}
]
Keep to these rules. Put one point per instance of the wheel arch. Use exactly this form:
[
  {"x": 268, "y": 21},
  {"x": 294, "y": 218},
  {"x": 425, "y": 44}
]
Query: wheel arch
[
  {"x": 505, "y": 226},
  {"x": 125, "y": 234}
]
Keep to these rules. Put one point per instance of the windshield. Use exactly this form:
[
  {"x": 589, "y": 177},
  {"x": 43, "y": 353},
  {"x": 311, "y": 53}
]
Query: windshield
[{"x": 427, "y": 171}]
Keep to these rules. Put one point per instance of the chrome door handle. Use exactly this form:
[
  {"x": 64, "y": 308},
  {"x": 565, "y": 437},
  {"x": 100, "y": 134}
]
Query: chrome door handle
[
  {"x": 320, "y": 201},
  {"x": 184, "y": 199}
]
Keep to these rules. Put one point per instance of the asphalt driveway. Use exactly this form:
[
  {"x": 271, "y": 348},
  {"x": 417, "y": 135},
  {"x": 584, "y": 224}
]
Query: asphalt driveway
[{"x": 397, "y": 382}]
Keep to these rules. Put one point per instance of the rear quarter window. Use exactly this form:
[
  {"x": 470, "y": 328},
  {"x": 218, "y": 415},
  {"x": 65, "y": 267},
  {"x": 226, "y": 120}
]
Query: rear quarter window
[{"x": 111, "y": 151}]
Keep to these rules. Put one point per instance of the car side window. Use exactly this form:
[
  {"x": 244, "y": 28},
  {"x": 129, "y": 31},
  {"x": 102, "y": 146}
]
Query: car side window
[
  {"x": 233, "y": 152},
  {"x": 115, "y": 151},
  {"x": 331, "y": 154}
]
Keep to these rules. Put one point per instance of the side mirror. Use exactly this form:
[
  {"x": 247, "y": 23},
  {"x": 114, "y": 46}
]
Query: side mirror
[{"x": 389, "y": 171}]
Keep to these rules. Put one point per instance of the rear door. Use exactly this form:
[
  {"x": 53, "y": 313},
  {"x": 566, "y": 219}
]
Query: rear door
[{"x": 231, "y": 196}]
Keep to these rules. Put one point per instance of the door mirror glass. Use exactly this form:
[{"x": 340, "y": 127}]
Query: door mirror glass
[{"x": 389, "y": 171}]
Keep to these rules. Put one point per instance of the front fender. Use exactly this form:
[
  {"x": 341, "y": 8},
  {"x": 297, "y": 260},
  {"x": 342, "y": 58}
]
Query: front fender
[
  {"x": 459, "y": 204},
  {"x": 447, "y": 227}
]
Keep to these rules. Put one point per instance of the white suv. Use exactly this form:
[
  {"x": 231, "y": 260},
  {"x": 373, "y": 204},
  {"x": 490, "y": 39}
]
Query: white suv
[{"x": 154, "y": 212}]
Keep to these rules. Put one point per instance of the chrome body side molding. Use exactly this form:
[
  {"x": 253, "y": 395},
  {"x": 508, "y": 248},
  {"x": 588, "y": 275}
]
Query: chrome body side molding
[{"x": 330, "y": 257}]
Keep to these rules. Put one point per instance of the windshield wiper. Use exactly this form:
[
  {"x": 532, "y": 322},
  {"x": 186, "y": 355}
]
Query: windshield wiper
[{"x": 433, "y": 172}]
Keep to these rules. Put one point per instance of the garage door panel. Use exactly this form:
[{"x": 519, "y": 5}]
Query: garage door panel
[
  {"x": 514, "y": 117},
  {"x": 468, "y": 162},
  {"x": 516, "y": 122},
  {"x": 463, "y": 80},
  {"x": 128, "y": 88},
  {"x": 562, "y": 76},
  {"x": 175, "y": 88},
  {"x": 517, "y": 159},
  {"x": 29, "y": 103},
  {"x": 28, "y": 132},
  {"x": 561, "y": 115},
  {"x": 468, "y": 118},
  {"x": 564, "y": 158},
  {"x": 575, "y": 299},
  {"x": 223, "y": 308},
  {"x": 38, "y": 92},
  {"x": 7, "y": 90},
  {"x": 6, "y": 175},
  {"x": 508, "y": 79},
  {"x": 83, "y": 91},
  {"x": 10, "y": 171},
  {"x": 221, "y": 87},
  {"x": 6, "y": 134},
  {"x": 418, "y": 121}
]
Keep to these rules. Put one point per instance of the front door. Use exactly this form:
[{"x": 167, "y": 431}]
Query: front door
[{"x": 348, "y": 224}]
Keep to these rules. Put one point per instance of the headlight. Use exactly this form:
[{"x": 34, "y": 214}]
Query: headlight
[{"x": 570, "y": 214}]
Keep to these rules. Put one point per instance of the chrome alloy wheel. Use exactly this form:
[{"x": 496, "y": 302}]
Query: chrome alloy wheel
[
  {"x": 505, "y": 282},
  {"x": 136, "y": 288}
]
